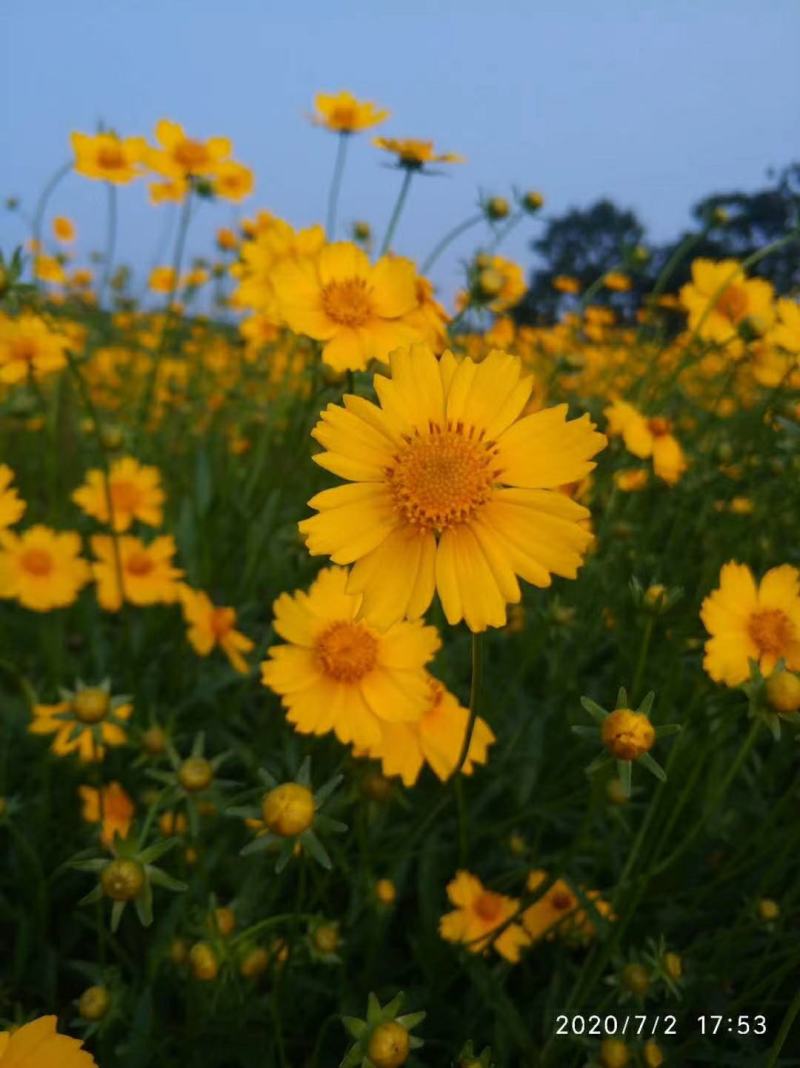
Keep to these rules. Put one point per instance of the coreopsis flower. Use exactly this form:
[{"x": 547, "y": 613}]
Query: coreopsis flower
[
  {"x": 436, "y": 738},
  {"x": 64, "y": 229},
  {"x": 551, "y": 909},
  {"x": 383, "y": 1039},
  {"x": 450, "y": 490},
  {"x": 211, "y": 625},
  {"x": 84, "y": 721},
  {"x": 751, "y": 621},
  {"x": 786, "y": 331},
  {"x": 272, "y": 241},
  {"x": 414, "y": 155},
  {"x": 339, "y": 298},
  {"x": 478, "y": 914},
  {"x": 110, "y": 806},
  {"x": 49, "y": 269},
  {"x": 565, "y": 283},
  {"x": 338, "y": 673},
  {"x": 181, "y": 157},
  {"x": 42, "y": 568},
  {"x": 499, "y": 283},
  {"x": 429, "y": 318},
  {"x": 107, "y": 157},
  {"x": 162, "y": 280},
  {"x": 29, "y": 348},
  {"x": 648, "y": 437},
  {"x": 135, "y": 492},
  {"x": 342, "y": 113},
  {"x": 720, "y": 299},
  {"x": 617, "y": 282},
  {"x": 233, "y": 181},
  {"x": 12, "y": 507},
  {"x": 147, "y": 572},
  {"x": 170, "y": 191},
  {"x": 38, "y": 1045}
]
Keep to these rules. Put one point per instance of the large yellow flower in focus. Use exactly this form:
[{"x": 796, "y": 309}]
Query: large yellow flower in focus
[
  {"x": 41, "y": 568},
  {"x": 720, "y": 299},
  {"x": 752, "y": 622},
  {"x": 339, "y": 298},
  {"x": 135, "y": 492},
  {"x": 106, "y": 157},
  {"x": 450, "y": 490},
  {"x": 343, "y": 113},
  {"x": 338, "y": 673},
  {"x": 38, "y": 1045}
]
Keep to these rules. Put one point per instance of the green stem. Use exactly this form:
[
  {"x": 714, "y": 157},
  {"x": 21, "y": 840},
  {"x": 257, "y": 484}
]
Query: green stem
[
  {"x": 111, "y": 241},
  {"x": 503, "y": 232},
  {"x": 643, "y": 650},
  {"x": 398, "y": 208},
  {"x": 336, "y": 184},
  {"x": 448, "y": 238},
  {"x": 44, "y": 198},
  {"x": 783, "y": 1033},
  {"x": 474, "y": 696}
]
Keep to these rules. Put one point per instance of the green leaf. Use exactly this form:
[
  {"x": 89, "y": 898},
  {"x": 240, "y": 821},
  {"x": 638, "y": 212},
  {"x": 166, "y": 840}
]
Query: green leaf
[
  {"x": 624, "y": 769},
  {"x": 316, "y": 849},
  {"x": 647, "y": 703},
  {"x": 595, "y": 711},
  {"x": 652, "y": 766}
]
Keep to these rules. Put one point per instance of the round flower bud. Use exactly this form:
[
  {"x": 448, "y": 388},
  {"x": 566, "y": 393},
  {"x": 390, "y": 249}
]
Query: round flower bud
[
  {"x": 490, "y": 282},
  {"x": 195, "y": 774},
  {"x": 627, "y": 735},
  {"x": 653, "y": 1057},
  {"x": 497, "y": 208},
  {"x": 636, "y": 979},
  {"x": 385, "y": 891},
  {"x": 122, "y": 879},
  {"x": 672, "y": 965},
  {"x": 254, "y": 962},
  {"x": 389, "y": 1045},
  {"x": 222, "y": 921},
  {"x": 768, "y": 909},
  {"x": 94, "y": 1003},
  {"x": 288, "y": 810},
  {"x": 362, "y": 231},
  {"x": 376, "y": 786},
  {"x": 720, "y": 216},
  {"x": 154, "y": 741},
  {"x": 783, "y": 691},
  {"x": 203, "y": 962},
  {"x": 614, "y": 1053},
  {"x": 178, "y": 951},
  {"x": 326, "y": 938},
  {"x": 532, "y": 200},
  {"x": 654, "y": 595},
  {"x": 91, "y": 705}
]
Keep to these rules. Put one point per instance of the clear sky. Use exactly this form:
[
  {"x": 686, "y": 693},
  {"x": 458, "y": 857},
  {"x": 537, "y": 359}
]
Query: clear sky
[{"x": 651, "y": 102}]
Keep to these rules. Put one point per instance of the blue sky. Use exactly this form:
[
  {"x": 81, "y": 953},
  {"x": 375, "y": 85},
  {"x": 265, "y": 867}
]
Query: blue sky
[{"x": 651, "y": 103}]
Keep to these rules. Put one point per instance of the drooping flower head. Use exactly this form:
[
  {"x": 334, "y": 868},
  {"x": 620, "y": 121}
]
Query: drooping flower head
[
  {"x": 450, "y": 490},
  {"x": 752, "y": 621},
  {"x": 339, "y": 674},
  {"x": 342, "y": 113}
]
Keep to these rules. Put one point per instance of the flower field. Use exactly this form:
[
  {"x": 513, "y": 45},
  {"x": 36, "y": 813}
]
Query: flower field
[{"x": 389, "y": 679}]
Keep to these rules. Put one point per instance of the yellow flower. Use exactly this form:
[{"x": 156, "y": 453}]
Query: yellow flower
[
  {"x": 339, "y": 674},
  {"x": 501, "y": 280},
  {"x": 233, "y": 181},
  {"x": 181, "y": 157},
  {"x": 135, "y": 493},
  {"x": 210, "y": 625},
  {"x": 551, "y": 909},
  {"x": 339, "y": 298},
  {"x": 84, "y": 722},
  {"x": 64, "y": 229},
  {"x": 110, "y": 806},
  {"x": 617, "y": 281},
  {"x": 451, "y": 491},
  {"x": 163, "y": 280},
  {"x": 28, "y": 347},
  {"x": 12, "y": 507},
  {"x": 783, "y": 692},
  {"x": 273, "y": 241},
  {"x": 752, "y": 622},
  {"x": 148, "y": 576},
  {"x": 647, "y": 437},
  {"x": 786, "y": 333},
  {"x": 478, "y": 913},
  {"x": 38, "y": 1045},
  {"x": 435, "y": 738},
  {"x": 720, "y": 299},
  {"x": 171, "y": 191},
  {"x": 627, "y": 734},
  {"x": 108, "y": 158},
  {"x": 41, "y": 568},
  {"x": 415, "y": 154},
  {"x": 49, "y": 269},
  {"x": 343, "y": 113},
  {"x": 565, "y": 283}
]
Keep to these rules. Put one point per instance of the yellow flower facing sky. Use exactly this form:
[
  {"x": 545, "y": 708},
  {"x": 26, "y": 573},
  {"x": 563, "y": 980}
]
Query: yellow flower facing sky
[
  {"x": 107, "y": 157},
  {"x": 38, "y": 1045},
  {"x": 42, "y": 568},
  {"x": 180, "y": 156},
  {"x": 342, "y": 113},
  {"x": 148, "y": 575},
  {"x": 354, "y": 308},
  {"x": 135, "y": 492},
  {"x": 720, "y": 299},
  {"x": 337, "y": 673},
  {"x": 413, "y": 154},
  {"x": 29, "y": 348},
  {"x": 648, "y": 438},
  {"x": 752, "y": 621},
  {"x": 12, "y": 507},
  {"x": 450, "y": 490},
  {"x": 210, "y": 625},
  {"x": 478, "y": 913}
]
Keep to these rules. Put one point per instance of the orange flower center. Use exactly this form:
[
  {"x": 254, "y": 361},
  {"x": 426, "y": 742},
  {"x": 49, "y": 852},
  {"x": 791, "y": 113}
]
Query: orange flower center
[
  {"x": 771, "y": 630},
  {"x": 139, "y": 563},
  {"x": 37, "y": 562},
  {"x": 488, "y": 906},
  {"x": 348, "y": 303},
  {"x": 347, "y": 651},
  {"x": 221, "y": 621},
  {"x": 441, "y": 478},
  {"x": 124, "y": 496},
  {"x": 658, "y": 426},
  {"x": 561, "y": 900},
  {"x": 191, "y": 154},
  {"x": 91, "y": 706},
  {"x": 24, "y": 348},
  {"x": 111, "y": 157},
  {"x": 733, "y": 304},
  {"x": 343, "y": 117}
]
